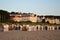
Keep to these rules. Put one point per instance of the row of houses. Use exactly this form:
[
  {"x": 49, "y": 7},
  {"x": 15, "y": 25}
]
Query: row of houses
[
  {"x": 23, "y": 17},
  {"x": 18, "y": 17},
  {"x": 50, "y": 19}
]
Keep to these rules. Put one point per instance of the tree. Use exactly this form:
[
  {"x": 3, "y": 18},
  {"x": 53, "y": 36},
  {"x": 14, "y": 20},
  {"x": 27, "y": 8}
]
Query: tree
[
  {"x": 4, "y": 15},
  {"x": 47, "y": 22},
  {"x": 43, "y": 20}
]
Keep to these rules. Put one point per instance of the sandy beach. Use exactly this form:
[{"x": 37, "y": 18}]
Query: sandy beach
[{"x": 32, "y": 35}]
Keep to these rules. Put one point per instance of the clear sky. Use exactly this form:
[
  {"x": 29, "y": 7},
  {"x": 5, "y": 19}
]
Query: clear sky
[{"x": 41, "y": 7}]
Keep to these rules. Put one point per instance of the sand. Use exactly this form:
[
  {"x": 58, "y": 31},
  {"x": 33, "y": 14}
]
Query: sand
[{"x": 26, "y": 35}]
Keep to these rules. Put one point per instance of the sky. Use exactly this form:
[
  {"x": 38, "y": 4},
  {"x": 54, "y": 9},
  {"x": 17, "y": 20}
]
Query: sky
[{"x": 39, "y": 7}]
